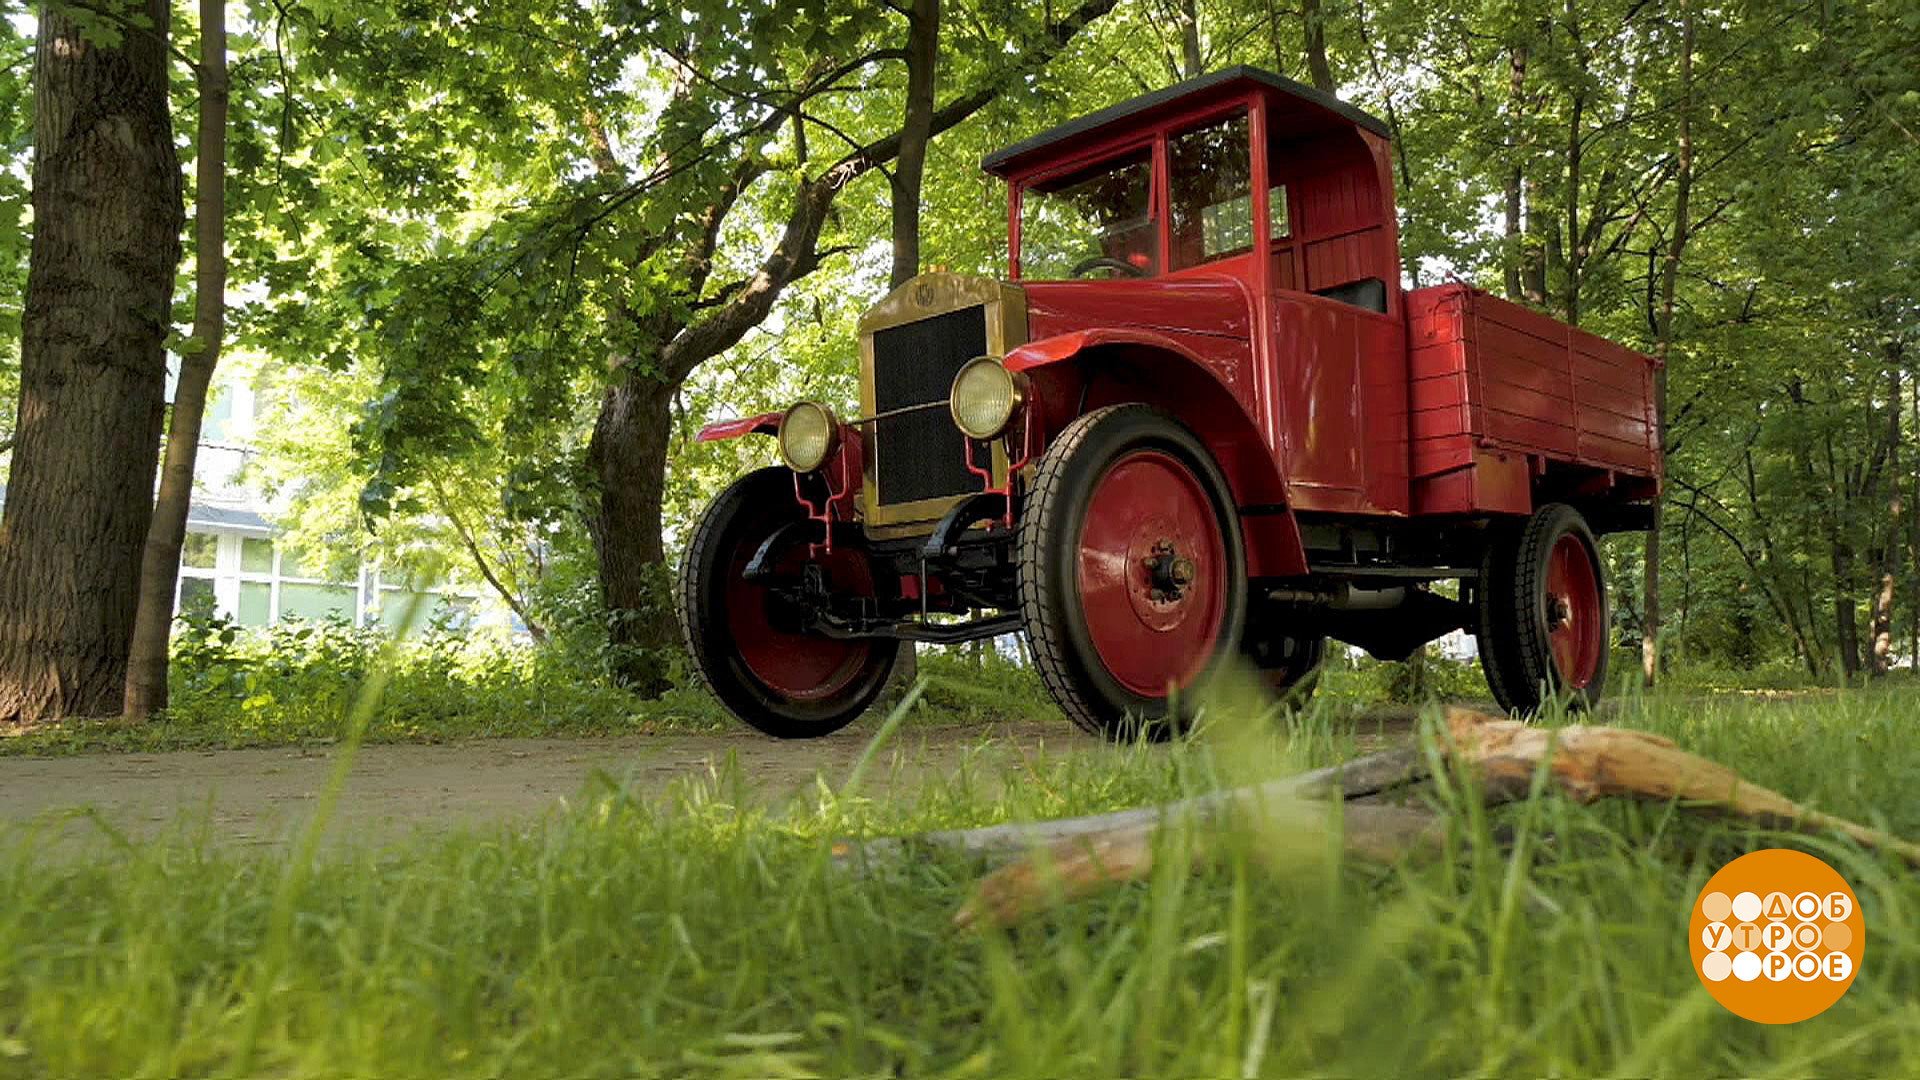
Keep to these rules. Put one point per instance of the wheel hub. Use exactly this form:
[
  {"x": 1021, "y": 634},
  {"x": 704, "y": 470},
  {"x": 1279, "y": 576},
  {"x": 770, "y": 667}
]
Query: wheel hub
[
  {"x": 1576, "y": 612},
  {"x": 1168, "y": 572},
  {"x": 1559, "y": 612}
]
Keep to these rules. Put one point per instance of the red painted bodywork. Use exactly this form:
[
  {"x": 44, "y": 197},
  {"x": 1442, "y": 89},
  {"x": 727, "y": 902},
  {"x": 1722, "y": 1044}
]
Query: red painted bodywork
[
  {"x": 844, "y": 477},
  {"x": 1148, "y": 639},
  {"x": 842, "y": 473},
  {"x": 1450, "y": 402},
  {"x": 764, "y": 424},
  {"x": 1496, "y": 386}
]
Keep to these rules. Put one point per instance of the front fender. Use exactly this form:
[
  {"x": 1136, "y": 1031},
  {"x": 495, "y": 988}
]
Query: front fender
[
  {"x": 1053, "y": 350},
  {"x": 764, "y": 424},
  {"x": 1135, "y": 364}
]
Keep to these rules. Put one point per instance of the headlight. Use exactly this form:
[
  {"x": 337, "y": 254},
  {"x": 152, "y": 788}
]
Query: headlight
[
  {"x": 985, "y": 397},
  {"x": 807, "y": 434}
]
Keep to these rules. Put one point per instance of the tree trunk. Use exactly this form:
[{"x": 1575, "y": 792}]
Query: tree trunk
[
  {"x": 1313, "y": 22},
  {"x": 1880, "y": 643},
  {"x": 1516, "y": 141},
  {"x": 1669, "y": 285},
  {"x": 160, "y": 561},
  {"x": 916, "y": 130},
  {"x": 628, "y": 456},
  {"x": 1192, "y": 63},
  {"x": 106, "y": 244},
  {"x": 1846, "y": 617}
]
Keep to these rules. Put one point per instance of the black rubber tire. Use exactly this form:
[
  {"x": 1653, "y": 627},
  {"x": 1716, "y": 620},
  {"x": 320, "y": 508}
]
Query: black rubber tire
[
  {"x": 1289, "y": 664},
  {"x": 1051, "y": 525},
  {"x": 744, "y": 515},
  {"x": 1515, "y": 644},
  {"x": 1493, "y": 626}
]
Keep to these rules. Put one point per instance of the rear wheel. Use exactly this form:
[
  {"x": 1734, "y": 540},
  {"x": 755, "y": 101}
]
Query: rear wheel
[
  {"x": 1543, "y": 619},
  {"x": 747, "y": 643},
  {"x": 1132, "y": 570}
]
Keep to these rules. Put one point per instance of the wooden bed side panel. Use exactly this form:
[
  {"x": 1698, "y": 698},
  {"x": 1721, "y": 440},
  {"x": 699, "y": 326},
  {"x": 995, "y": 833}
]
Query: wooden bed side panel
[
  {"x": 1439, "y": 403},
  {"x": 1492, "y": 383},
  {"x": 1567, "y": 394}
]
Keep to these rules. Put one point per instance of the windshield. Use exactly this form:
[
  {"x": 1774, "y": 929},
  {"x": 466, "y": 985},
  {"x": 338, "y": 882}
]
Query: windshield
[{"x": 1095, "y": 221}]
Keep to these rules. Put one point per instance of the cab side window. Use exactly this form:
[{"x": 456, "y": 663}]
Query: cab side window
[{"x": 1210, "y": 174}]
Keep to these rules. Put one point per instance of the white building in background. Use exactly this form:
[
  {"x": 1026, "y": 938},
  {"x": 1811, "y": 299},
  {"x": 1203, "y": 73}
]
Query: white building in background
[
  {"x": 232, "y": 559},
  {"x": 232, "y": 563}
]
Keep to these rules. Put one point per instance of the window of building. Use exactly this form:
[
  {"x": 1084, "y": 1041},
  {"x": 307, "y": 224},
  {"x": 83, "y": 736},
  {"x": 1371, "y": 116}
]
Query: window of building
[
  {"x": 256, "y": 555},
  {"x": 256, "y": 604},
  {"x": 218, "y": 423},
  {"x": 317, "y": 602},
  {"x": 249, "y": 580},
  {"x": 196, "y": 597},
  {"x": 200, "y": 551}
]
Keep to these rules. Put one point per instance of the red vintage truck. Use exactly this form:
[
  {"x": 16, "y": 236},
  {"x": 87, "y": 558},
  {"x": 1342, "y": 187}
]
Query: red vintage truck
[{"x": 1200, "y": 422}]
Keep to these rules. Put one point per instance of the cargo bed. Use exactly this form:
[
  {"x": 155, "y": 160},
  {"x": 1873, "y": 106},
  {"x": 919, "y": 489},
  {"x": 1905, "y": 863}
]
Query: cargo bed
[{"x": 1505, "y": 403}]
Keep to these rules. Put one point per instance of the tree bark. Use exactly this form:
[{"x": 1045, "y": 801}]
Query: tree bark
[
  {"x": 1846, "y": 617},
  {"x": 146, "y": 691},
  {"x": 1313, "y": 21},
  {"x": 1515, "y": 178},
  {"x": 916, "y": 130},
  {"x": 1880, "y": 643},
  {"x": 1192, "y": 62},
  {"x": 628, "y": 457},
  {"x": 106, "y": 244}
]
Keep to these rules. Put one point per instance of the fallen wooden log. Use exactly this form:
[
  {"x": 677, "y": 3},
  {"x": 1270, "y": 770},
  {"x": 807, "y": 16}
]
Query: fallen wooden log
[
  {"x": 1065, "y": 859},
  {"x": 1359, "y": 779},
  {"x": 1085, "y": 863}
]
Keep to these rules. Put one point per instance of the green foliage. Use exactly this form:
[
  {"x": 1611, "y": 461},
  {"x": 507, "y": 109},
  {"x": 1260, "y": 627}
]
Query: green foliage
[
  {"x": 452, "y": 228},
  {"x": 711, "y": 934},
  {"x": 965, "y": 686},
  {"x": 16, "y": 140},
  {"x": 297, "y": 684}
]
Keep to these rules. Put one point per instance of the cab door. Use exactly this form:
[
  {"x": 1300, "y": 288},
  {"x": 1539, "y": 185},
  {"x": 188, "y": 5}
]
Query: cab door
[{"x": 1336, "y": 340}]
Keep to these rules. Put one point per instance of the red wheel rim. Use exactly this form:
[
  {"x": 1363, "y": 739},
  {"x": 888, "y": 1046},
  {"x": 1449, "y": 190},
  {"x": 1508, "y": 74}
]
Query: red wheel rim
[
  {"x": 802, "y": 667},
  {"x": 1575, "y": 624},
  {"x": 1149, "y": 524}
]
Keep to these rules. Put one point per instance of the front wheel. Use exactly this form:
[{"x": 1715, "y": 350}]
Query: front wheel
[
  {"x": 1542, "y": 611},
  {"x": 1132, "y": 570},
  {"x": 746, "y": 642}
]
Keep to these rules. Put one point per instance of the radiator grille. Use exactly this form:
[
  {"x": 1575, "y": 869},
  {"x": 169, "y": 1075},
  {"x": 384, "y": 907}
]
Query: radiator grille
[{"x": 921, "y": 455}]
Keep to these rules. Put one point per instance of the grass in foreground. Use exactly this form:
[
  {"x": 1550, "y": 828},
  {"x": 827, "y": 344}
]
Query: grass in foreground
[
  {"x": 305, "y": 700},
  {"x": 697, "y": 937}
]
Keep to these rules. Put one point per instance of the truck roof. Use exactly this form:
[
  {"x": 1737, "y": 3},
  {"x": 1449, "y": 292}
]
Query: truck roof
[{"x": 1303, "y": 106}]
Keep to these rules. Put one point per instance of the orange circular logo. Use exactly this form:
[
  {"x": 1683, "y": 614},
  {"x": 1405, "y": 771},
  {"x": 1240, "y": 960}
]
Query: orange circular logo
[{"x": 1777, "y": 936}]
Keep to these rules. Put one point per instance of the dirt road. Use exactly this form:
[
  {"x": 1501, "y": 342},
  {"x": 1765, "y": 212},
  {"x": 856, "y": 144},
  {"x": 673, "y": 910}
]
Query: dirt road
[{"x": 250, "y": 797}]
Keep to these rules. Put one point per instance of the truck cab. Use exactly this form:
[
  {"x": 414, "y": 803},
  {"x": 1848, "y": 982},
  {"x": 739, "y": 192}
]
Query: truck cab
[{"x": 1199, "y": 422}]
